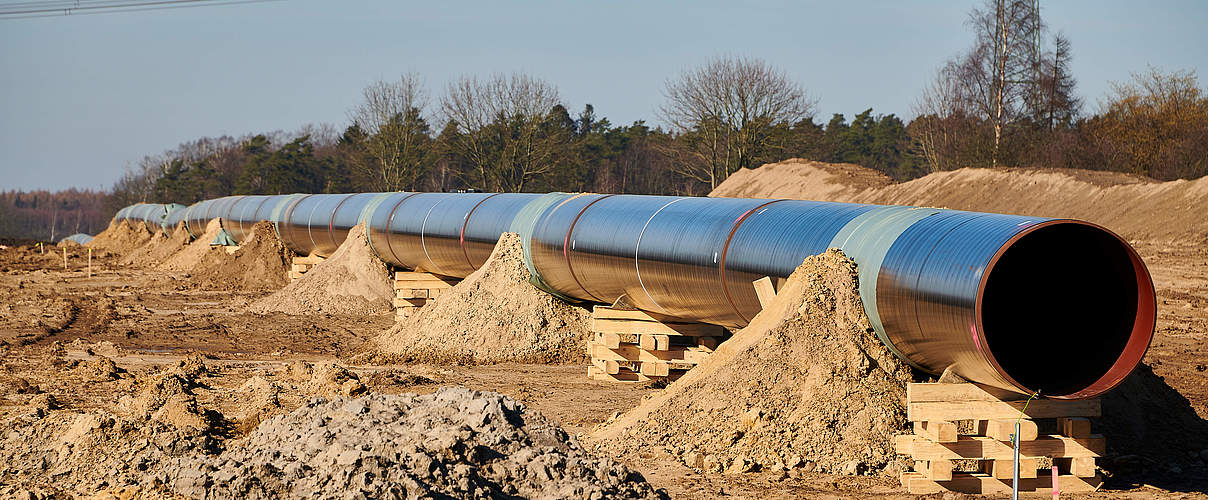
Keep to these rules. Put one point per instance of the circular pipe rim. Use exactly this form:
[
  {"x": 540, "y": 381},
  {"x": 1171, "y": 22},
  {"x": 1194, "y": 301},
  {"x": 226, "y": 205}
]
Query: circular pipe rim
[{"x": 1139, "y": 339}]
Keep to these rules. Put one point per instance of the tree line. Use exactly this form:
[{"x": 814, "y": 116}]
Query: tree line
[{"x": 1010, "y": 99}]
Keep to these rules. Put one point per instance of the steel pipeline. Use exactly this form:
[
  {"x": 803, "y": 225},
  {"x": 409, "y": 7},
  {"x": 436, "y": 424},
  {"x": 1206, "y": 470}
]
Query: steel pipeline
[{"x": 1022, "y": 303}]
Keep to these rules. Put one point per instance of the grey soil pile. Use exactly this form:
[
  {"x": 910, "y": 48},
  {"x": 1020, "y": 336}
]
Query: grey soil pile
[
  {"x": 159, "y": 248},
  {"x": 454, "y": 443},
  {"x": 352, "y": 281},
  {"x": 261, "y": 263},
  {"x": 193, "y": 253},
  {"x": 806, "y": 384},
  {"x": 120, "y": 238},
  {"x": 1124, "y": 203},
  {"x": 495, "y": 315}
]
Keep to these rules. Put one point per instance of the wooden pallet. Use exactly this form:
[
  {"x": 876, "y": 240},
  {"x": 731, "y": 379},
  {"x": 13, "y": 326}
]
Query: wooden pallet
[
  {"x": 936, "y": 411},
  {"x": 300, "y": 265},
  {"x": 414, "y": 289},
  {"x": 634, "y": 346}
]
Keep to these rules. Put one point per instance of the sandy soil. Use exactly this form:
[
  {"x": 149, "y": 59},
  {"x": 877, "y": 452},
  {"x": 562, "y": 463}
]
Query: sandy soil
[{"x": 57, "y": 326}]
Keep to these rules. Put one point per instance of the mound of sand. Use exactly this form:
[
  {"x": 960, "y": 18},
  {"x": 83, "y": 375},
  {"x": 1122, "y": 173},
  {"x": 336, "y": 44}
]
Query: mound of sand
[
  {"x": 261, "y": 262},
  {"x": 159, "y": 248},
  {"x": 352, "y": 281},
  {"x": 806, "y": 384},
  {"x": 1133, "y": 206},
  {"x": 495, "y": 315},
  {"x": 193, "y": 253},
  {"x": 120, "y": 238},
  {"x": 455, "y": 443}
]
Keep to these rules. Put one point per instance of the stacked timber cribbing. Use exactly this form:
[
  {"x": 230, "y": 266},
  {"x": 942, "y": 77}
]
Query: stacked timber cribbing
[
  {"x": 414, "y": 290},
  {"x": 634, "y": 346},
  {"x": 972, "y": 424}
]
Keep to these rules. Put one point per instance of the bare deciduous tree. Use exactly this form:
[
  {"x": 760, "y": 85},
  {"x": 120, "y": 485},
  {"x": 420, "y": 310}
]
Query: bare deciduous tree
[
  {"x": 998, "y": 74},
  {"x": 936, "y": 112},
  {"x": 391, "y": 115},
  {"x": 501, "y": 129},
  {"x": 731, "y": 105}
]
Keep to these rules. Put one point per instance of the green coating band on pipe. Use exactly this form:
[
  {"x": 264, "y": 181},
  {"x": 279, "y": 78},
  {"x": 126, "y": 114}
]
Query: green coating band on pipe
[
  {"x": 866, "y": 240},
  {"x": 524, "y": 224}
]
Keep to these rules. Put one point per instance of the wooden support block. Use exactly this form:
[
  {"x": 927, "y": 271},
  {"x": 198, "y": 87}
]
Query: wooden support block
[
  {"x": 917, "y": 484},
  {"x": 935, "y": 470},
  {"x": 1075, "y": 427},
  {"x": 609, "y": 320},
  {"x": 937, "y": 431},
  {"x": 1002, "y": 429},
  {"x": 903, "y": 444},
  {"x": 300, "y": 268},
  {"x": 293, "y": 275},
  {"x": 423, "y": 280},
  {"x": 655, "y": 368},
  {"x": 984, "y": 448},
  {"x": 654, "y": 342},
  {"x": 1005, "y": 468},
  {"x": 630, "y": 352},
  {"x": 609, "y": 340},
  {"x": 995, "y": 410},
  {"x": 764, "y": 291},
  {"x": 925, "y": 392},
  {"x": 709, "y": 343},
  {"x": 1079, "y": 466}
]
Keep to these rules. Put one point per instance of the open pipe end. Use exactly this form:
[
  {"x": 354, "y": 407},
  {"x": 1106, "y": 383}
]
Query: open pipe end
[{"x": 1066, "y": 308}]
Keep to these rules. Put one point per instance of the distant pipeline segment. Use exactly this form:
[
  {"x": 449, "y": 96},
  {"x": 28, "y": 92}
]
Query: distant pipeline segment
[{"x": 1060, "y": 306}]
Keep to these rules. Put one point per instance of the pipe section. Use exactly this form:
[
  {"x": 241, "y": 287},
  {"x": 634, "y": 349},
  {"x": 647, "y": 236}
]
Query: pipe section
[{"x": 1028, "y": 304}]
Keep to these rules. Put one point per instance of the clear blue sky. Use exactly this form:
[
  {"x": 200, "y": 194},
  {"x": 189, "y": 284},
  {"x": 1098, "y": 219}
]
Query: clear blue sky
[{"x": 86, "y": 96}]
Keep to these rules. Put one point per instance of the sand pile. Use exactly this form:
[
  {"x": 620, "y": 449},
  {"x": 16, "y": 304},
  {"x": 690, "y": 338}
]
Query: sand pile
[
  {"x": 120, "y": 238},
  {"x": 159, "y": 248},
  {"x": 806, "y": 384},
  {"x": 352, "y": 281},
  {"x": 495, "y": 315},
  {"x": 261, "y": 263},
  {"x": 1136, "y": 207},
  {"x": 455, "y": 443},
  {"x": 193, "y": 253}
]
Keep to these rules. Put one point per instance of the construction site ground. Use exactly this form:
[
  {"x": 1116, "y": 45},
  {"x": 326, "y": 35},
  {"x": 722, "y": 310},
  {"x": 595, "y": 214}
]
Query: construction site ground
[{"x": 53, "y": 322}]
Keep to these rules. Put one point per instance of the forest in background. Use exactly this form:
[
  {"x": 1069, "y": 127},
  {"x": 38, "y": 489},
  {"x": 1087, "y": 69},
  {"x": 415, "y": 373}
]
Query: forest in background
[{"x": 1009, "y": 100}]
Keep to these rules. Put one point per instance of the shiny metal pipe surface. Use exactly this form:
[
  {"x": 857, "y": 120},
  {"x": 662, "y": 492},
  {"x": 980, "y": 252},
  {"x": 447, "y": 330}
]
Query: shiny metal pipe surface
[{"x": 1022, "y": 303}]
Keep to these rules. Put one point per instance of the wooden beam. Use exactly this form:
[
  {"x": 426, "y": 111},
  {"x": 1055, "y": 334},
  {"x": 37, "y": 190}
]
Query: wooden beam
[
  {"x": 976, "y": 484},
  {"x": 1005, "y": 468},
  {"x": 630, "y": 352},
  {"x": 935, "y": 470},
  {"x": 654, "y": 342},
  {"x": 309, "y": 259},
  {"x": 617, "y": 325},
  {"x": 926, "y": 392},
  {"x": 764, "y": 291},
  {"x": 1075, "y": 427},
  {"x": 994, "y": 410},
  {"x": 984, "y": 448},
  {"x": 609, "y": 340},
  {"x": 1003, "y": 428},
  {"x": 938, "y": 431},
  {"x": 1077, "y": 466}
]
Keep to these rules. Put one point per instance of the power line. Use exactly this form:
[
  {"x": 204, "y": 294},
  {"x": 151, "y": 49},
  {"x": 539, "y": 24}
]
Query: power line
[{"x": 26, "y": 10}]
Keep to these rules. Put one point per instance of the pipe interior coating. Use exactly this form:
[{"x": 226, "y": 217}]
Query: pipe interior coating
[{"x": 1028, "y": 304}]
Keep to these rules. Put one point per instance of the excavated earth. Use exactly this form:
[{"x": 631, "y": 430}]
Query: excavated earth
[{"x": 149, "y": 379}]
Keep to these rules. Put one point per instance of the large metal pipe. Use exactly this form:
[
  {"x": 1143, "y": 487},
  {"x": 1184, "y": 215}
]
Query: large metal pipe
[{"x": 1022, "y": 303}]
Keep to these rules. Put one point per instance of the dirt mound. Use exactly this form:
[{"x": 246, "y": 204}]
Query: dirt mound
[
  {"x": 1136, "y": 207},
  {"x": 159, "y": 248},
  {"x": 260, "y": 263},
  {"x": 352, "y": 281},
  {"x": 120, "y": 238},
  {"x": 1149, "y": 427},
  {"x": 455, "y": 442},
  {"x": 193, "y": 253},
  {"x": 495, "y": 315},
  {"x": 806, "y": 384},
  {"x": 802, "y": 179}
]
